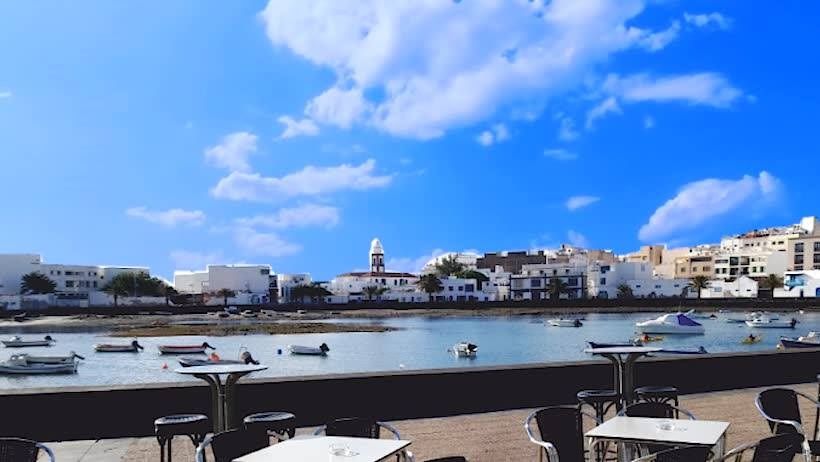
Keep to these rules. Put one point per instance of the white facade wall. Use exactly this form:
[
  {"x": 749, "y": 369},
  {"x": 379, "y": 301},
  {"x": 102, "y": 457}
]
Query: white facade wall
[
  {"x": 603, "y": 281},
  {"x": 799, "y": 284},
  {"x": 742, "y": 287},
  {"x": 253, "y": 279},
  {"x": 752, "y": 263},
  {"x": 345, "y": 285},
  {"x": 12, "y": 269},
  {"x": 74, "y": 278},
  {"x": 191, "y": 282},
  {"x": 652, "y": 288},
  {"x": 460, "y": 290},
  {"x": 286, "y": 282}
]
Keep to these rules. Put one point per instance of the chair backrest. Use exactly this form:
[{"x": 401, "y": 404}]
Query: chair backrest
[
  {"x": 356, "y": 427},
  {"x": 649, "y": 409},
  {"x": 780, "y": 403},
  {"x": 780, "y": 448},
  {"x": 232, "y": 444},
  {"x": 688, "y": 454},
  {"x": 562, "y": 426},
  {"x": 19, "y": 450}
]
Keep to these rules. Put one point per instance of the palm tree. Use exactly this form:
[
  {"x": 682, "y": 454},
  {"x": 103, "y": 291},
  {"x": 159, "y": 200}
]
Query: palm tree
[
  {"x": 225, "y": 294},
  {"x": 373, "y": 291},
  {"x": 625, "y": 291},
  {"x": 772, "y": 281},
  {"x": 169, "y": 292},
  {"x": 449, "y": 266},
  {"x": 37, "y": 283},
  {"x": 557, "y": 287},
  {"x": 699, "y": 283},
  {"x": 480, "y": 277},
  {"x": 120, "y": 285},
  {"x": 430, "y": 284},
  {"x": 311, "y": 291}
]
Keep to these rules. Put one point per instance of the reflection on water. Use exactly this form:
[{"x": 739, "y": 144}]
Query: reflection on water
[{"x": 422, "y": 343}]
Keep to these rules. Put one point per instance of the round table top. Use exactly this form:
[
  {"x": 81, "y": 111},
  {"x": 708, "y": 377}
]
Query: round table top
[
  {"x": 622, "y": 350},
  {"x": 219, "y": 369}
]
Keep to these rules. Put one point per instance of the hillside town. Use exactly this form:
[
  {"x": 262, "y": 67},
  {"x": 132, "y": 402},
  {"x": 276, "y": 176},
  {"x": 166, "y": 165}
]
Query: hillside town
[{"x": 779, "y": 262}]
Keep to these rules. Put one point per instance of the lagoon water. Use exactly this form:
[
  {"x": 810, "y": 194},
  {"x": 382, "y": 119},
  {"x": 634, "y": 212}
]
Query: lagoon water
[{"x": 421, "y": 343}]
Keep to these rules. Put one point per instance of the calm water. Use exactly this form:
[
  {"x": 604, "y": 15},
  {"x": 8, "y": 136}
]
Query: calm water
[{"x": 422, "y": 343}]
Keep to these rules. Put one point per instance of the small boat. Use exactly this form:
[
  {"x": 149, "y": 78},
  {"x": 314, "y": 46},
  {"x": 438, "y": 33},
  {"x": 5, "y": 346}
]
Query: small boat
[
  {"x": 70, "y": 358},
  {"x": 18, "y": 365},
  {"x": 692, "y": 314},
  {"x": 249, "y": 314},
  {"x": 214, "y": 359},
  {"x": 184, "y": 349},
  {"x": 309, "y": 351},
  {"x": 18, "y": 342},
  {"x": 613, "y": 345},
  {"x": 751, "y": 340},
  {"x": 808, "y": 341},
  {"x": 670, "y": 324},
  {"x": 766, "y": 322},
  {"x": 133, "y": 347},
  {"x": 561, "y": 322},
  {"x": 20, "y": 317},
  {"x": 465, "y": 350}
]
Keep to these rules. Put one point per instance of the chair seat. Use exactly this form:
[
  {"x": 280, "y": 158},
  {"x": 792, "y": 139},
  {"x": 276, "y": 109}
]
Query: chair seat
[
  {"x": 598, "y": 396},
  {"x": 181, "y": 424},
  {"x": 279, "y": 422},
  {"x": 659, "y": 391}
]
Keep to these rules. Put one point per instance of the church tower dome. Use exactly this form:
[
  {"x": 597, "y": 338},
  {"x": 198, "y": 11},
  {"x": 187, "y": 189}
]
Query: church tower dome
[{"x": 376, "y": 256}]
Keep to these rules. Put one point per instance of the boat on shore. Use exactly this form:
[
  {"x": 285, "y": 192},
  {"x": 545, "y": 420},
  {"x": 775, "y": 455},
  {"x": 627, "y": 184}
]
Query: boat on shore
[
  {"x": 19, "y": 365},
  {"x": 812, "y": 340},
  {"x": 19, "y": 342},
  {"x": 133, "y": 347},
  {"x": 214, "y": 360},
  {"x": 299, "y": 350},
  {"x": 70, "y": 358},
  {"x": 465, "y": 350},
  {"x": 670, "y": 324},
  {"x": 184, "y": 349},
  {"x": 562, "y": 322},
  {"x": 766, "y": 322}
]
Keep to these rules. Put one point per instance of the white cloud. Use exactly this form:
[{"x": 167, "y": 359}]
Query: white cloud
[
  {"x": 577, "y": 239},
  {"x": 485, "y": 138},
  {"x": 294, "y": 128},
  {"x": 579, "y": 202},
  {"x": 190, "y": 260},
  {"x": 566, "y": 130},
  {"x": 169, "y": 218},
  {"x": 655, "y": 41},
  {"x": 233, "y": 152},
  {"x": 6, "y": 94},
  {"x": 715, "y": 20},
  {"x": 310, "y": 181},
  {"x": 701, "y": 201},
  {"x": 609, "y": 105},
  {"x": 253, "y": 242},
  {"x": 496, "y": 134},
  {"x": 560, "y": 154},
  {"x": 706, "y": 88},
  {"x": 296, "y": 217},
  {"x": 476, "y": 56},
  {"x": 648, "y": 122}
]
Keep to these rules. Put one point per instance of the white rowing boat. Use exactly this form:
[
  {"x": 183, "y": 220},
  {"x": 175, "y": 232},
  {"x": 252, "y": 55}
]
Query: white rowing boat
[
  {"x": 19, "y": 342},
  {"x": 133, "y": 347},
  {"x": 18, "y": 365},
  {"x": 465, "y": 350},
  {"x": 184, "y": 349},
  {"x": 70, "y": 358},
  {"x": 309, "y": 351}
]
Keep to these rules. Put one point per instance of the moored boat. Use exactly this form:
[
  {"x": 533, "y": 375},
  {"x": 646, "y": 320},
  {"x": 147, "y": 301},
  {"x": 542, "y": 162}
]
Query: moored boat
[
  {"x": 766, "y": 322},
  {"x": 184, "y": 349},
  {"x": 670, "y": 324},
  {"x": 213, "y": 360},
  {"x": 812, "y": 340},
  {"x": 249, "y": 314},
  {"x": 18, "y": 342},
  {"x": 70, "y": 358},
  {"x": 133, "y": 347},
  {"x": 309, "y": 351},
  {"x": 561, "y": 322},
  {"x": 18, "y": 365},
  {"x": 465, "y": 349}
]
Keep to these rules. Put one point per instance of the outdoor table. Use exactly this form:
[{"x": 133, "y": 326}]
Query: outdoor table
[
  {"x": 623, "y": 358},
  {"x": 674, "y": 432},
  {"x": 318, "y": 450},
  {"x": 222, "y": 395}
]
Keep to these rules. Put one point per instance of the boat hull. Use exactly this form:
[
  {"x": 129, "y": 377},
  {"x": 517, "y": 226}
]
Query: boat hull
[
  {"x": 115, "y": 349},
  {"x": 306, "y": 351},
  {"x": 26, "y": 343},
  {"x": 38, "y": 369},
  {"x": 564, "y": 322},
  {"x": 770, "y": 325},
  {"x": 670, "y": 329},
  {"x": 793, "y": 343},
  {"x": 181, "y": 350},
  {"x": 190, "y": 362}
]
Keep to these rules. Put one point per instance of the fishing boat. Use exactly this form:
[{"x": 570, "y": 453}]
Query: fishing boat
[
  {"x": 184, "y": 349},
  {"x": 309, "y": 351},
  {"x": 133, "y": 347},
  {"x": 18, "y": 365},
  {"x": 561, "y": 322},
  {"x": 214, "y": 360},
  {"x": 670, "y": 324},
  {"x": 766, "y": 322},
  {"x": 70, "y": 358},
  {"x": 18, "y": 342},
  {"x": 812, "y": 340},
  {"x": 465, "y": 350}
]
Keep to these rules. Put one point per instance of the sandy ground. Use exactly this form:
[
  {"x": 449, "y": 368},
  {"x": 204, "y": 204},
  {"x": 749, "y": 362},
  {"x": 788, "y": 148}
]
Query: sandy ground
[{"x": 491, "y": 437}]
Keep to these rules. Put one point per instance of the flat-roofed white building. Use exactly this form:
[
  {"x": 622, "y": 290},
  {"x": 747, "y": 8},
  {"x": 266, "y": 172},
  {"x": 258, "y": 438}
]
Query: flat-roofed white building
[
  {"x": 12, "y": 269},
  {"x": 252, "y": 279},
  {"x": 742, "y": 287},
  {"x": 286, "y": 282},
  {"x": 799, "y": 284},
  {"x": 191, "y": 282}
]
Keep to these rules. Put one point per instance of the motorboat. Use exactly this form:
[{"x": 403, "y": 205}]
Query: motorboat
[
  {"x": 465, "y": 350},
  {"x": 19, "y": 365},
  {"x": 18, "y": 342},
  {"x": 133, "y": 347},
  {"x": 766, "y": 322},
  {"x": 812, "y": 340},
  {"x": 185, "y": 349},
  {"x": 561, "y": 322},
  {"x": 309, "y": 351},
  {"x": 677, "y": 323},
  {"x": 70, "y": 358},
  {"x": 214, "y": 359},
  {"x": 692, "y": 314}
]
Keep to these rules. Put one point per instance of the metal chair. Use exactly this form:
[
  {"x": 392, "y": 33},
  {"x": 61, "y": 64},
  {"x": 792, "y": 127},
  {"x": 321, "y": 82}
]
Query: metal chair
[
  {"x": 22, "y": 450},
  {"x": 687, "y": 454},
  {"x": 658, "y": 394},
  {"x": 232, "y": 444},
  {"x": 361, "y": 427},
  {"x": 561, "y": 433},
  {"x": 779, "y": 448},
  {"x": 194, "y": 426},
  {"x": 280, "y": 425},
  {"x": 654, "y": 410},
  {"x": 780, "y": 408},
  {"x": 601, "y": 401}
]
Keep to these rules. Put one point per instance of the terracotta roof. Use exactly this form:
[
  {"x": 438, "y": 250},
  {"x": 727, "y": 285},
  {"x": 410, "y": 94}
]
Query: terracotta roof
[{"x": 387, "y": 274}]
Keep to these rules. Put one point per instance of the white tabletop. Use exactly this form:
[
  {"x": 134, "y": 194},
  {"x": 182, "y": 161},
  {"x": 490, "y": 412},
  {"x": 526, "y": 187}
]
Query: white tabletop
[
  {"x": 699, "y": 432},
  {"x": 622, "y": 350},
  {"x": 220, "y": 369},
  {"x": 318, "y": 450}
]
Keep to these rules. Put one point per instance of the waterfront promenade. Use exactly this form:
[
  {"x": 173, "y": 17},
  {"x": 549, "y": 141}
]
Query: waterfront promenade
[{"x": 486, "y": 437}]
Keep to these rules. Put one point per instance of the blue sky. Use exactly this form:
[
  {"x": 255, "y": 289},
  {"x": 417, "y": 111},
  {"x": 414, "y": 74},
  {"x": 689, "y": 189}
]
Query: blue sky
[{"x": 170, "y": 135}]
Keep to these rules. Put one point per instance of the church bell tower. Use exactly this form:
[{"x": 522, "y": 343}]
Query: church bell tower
[{"x": 376, "y": 256}]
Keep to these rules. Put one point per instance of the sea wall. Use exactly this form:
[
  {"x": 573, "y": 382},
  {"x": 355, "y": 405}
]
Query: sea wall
[{"x": 107, "y": 412}]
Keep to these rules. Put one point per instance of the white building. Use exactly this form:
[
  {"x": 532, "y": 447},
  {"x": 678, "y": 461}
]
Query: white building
[
  {"x": 286, "y": 282},
  {"x": 354, "y": 283},
  {"x": 605, "y": 278},
  {"x": 12, "y": 269},
  {"x": 799, "y": 284},
  {"x": 461, "y": 290},
  {"x": 532, "y": 283},
  {"x": 742, "y": 287},
  {"x": 248, "y": 279},
  {"x": 468, "y": 259},
  {"x": 755, "y": 263},
  {"x": 191, "y": 282}
]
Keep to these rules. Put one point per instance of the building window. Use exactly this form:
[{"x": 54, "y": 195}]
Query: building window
[
  {"x": 450, "y": 288},
  {"x": 798, "y": 268},
  {"x": 682, "y": 270},
  {"x": 534, "y": 282},
  {"x": 817, "y": 246},
  {"x": 817, "y": 258},
  {"x": 95, "y": 284},
  {"x": 572, "y": 281},
  {"x": 798, "y": 248},
  {"x": 69, "y": 284},
  {"x": 469, "y": 288},
  {"x": 603, "y": 281},
  {"x": 798, "y": 259},
  {"x": 707, "y": 269}
]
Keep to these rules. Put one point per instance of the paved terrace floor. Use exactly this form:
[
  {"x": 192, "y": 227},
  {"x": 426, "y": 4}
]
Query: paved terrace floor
[{"x": 490, "y": 437}]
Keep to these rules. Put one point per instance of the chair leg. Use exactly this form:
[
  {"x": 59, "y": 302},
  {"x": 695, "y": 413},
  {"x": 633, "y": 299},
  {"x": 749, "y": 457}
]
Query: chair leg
[
  {"x": 170, "y": 451},
  {"x": 161, "y": 442}
]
